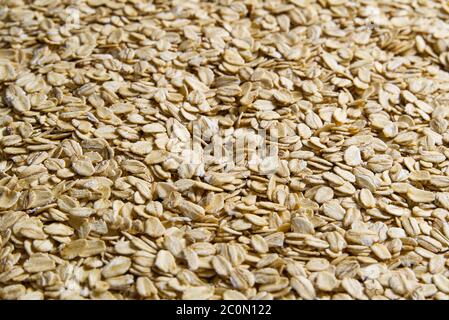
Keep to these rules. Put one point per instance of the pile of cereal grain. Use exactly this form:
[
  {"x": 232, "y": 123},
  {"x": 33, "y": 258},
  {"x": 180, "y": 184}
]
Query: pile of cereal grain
[{"x": 109, "y": 110}]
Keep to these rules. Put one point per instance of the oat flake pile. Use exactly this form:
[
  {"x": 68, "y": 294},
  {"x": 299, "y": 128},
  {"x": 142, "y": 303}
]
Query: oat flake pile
[{"x": 100, "y": 98}]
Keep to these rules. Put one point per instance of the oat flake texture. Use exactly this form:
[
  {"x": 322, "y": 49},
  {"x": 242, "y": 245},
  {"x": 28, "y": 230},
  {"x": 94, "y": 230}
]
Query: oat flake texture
[{"x": 110, "y": 111}]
